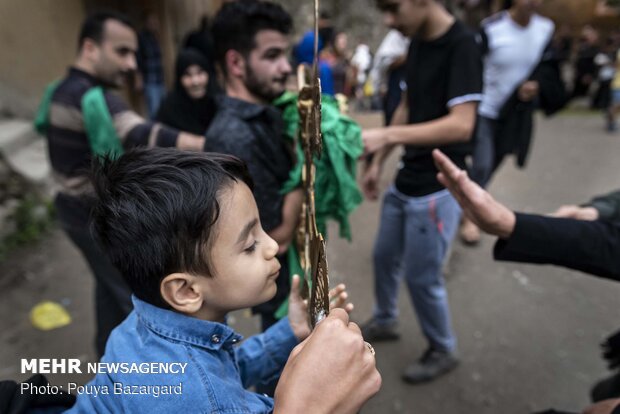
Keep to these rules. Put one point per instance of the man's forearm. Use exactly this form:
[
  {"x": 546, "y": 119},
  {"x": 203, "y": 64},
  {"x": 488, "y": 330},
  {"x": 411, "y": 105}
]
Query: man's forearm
[
  {"x": 190, "y": 142},
  {"x": 446, "y": 130},
  {"x": 291, "y": 210},
  {"x": 379, "y": 157},
  {"x": 590, "y": 246},
  {"x": 401, "y": 113}
]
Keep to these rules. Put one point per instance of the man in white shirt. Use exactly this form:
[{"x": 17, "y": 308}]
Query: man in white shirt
[
  {"x": 514, "y": 41},
  {"x": 388, "y": 70}
]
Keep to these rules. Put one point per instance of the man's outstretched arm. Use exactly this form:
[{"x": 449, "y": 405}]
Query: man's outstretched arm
[{"x": 589, "y": 246}]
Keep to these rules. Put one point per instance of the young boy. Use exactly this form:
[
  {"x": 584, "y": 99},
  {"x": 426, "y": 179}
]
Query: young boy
[{"x": 184, "y": 231}]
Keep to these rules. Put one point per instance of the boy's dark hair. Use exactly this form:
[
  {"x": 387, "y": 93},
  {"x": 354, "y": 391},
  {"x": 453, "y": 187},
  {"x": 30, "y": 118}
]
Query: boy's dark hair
[
  {"x": 93, "y": 27},
  {"x": 237, "y": 23},
  {"x": 155, "y": 212}
]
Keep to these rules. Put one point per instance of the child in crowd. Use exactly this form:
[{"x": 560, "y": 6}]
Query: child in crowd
[{"x": 184, "y": 231}]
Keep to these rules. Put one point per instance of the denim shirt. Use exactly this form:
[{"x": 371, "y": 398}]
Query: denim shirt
[{"x": 218, "y": 371}]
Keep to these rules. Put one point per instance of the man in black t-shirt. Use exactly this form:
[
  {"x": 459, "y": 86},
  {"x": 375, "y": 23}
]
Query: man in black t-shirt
[{"x": 419, "y": 216}]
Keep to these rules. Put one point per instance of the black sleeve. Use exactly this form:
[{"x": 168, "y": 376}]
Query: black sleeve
[
  {"x": 465, "y": 77},
  {"x": 589, "y": 246},
  {"x": 135, "y": 131},
  {"x": 163, "y": 114},
  {"x": 608, "y": 206}
]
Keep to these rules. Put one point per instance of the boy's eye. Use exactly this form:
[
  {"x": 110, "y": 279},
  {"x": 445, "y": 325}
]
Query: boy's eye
[{"x": 252, "y": 248}]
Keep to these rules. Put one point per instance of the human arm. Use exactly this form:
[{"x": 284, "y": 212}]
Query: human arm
[
  {"x": 478, "y": 205},
  {"x": 457, "y": 126},
  {"x": 332, "y": 371},
  {"x": 462, "y": 92},
  {"x": 604, "y": 207},
  {"x": 576, "y": 212},
  {"x": 591, "y": 247},
  {"x": 398, "y": 62},
  {"x": 528, "y": 90},
  {"x": 298, "y": 308},
  {"x": 291, "y": 210},
  {"x": 607, "y": 206},
  {"x": 611, "y": 406},
  {"x": 374, "y": 165},
  {"x": 372, "y": 173},
  {"x": 135, "y": 131}
]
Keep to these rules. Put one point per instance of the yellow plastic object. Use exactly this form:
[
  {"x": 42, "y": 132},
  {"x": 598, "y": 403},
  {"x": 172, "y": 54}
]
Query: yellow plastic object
[{"x": 49, "y": 315}]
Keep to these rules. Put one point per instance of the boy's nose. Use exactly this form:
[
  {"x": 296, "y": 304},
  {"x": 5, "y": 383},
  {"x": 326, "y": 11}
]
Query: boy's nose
[{"x": 272, "y": 248}]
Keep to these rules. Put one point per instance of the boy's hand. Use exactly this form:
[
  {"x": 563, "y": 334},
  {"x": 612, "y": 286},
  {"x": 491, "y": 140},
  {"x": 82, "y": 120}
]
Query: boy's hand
[
  {"x": 298, "y": 308},
  {"x": 338, "y": 298},
  {"x": 298, "y": 311}
]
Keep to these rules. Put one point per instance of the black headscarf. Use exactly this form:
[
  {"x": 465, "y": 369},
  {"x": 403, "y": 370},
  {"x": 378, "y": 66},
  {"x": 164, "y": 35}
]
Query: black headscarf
[{"x": 178, "y": 109}]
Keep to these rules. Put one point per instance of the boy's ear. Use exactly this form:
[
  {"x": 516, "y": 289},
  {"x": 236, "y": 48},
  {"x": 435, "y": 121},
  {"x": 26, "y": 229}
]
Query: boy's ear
[
  {"x": 235, "y": 63},
  {"x": 182, "y": 293}
]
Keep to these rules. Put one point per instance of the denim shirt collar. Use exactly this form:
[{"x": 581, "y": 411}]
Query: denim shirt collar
[{"x": 183, "y": 328}]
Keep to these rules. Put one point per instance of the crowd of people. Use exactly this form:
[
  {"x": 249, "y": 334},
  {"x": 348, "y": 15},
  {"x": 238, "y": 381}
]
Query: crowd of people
[{"x": 192, "y": 212}]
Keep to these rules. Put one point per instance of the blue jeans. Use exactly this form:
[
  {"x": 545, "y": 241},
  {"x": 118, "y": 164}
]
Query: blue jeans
[
  {"x": 153, "y": 93},
  {"x": 414, "y": 236},
  {"x": 485, "y": 159}
]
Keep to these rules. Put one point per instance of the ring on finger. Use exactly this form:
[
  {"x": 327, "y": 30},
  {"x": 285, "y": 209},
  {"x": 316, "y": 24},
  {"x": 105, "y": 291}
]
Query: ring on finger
[{"x": 370, "y": 348}]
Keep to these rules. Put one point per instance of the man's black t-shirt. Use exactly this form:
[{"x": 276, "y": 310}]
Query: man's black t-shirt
[{"x": 441, "y": 73}]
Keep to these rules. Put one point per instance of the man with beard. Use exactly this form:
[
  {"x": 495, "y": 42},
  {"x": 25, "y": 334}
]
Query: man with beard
[
  {"x": 82, "y": 118},
  {"x": 251, "y": 46}
]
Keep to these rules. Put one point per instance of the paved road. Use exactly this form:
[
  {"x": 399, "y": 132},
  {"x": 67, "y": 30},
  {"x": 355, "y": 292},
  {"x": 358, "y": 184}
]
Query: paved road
[{"x": 528, "y": 335}]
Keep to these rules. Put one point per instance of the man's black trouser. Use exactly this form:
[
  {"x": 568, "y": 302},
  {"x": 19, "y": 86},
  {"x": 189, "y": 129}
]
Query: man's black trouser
[{"x": 112, "y": 294}]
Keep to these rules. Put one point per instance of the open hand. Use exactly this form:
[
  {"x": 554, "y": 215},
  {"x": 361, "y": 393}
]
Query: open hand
[
  {"x": 477, "y": 204},
  {"x": 298, "y": 307}
]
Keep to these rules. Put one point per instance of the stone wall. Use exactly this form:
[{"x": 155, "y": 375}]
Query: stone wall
[{"x": 38, "y": 39}]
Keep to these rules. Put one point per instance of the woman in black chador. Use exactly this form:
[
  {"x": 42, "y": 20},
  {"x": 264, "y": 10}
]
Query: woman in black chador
[{"x": 189, "y": 107}]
